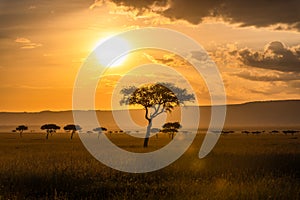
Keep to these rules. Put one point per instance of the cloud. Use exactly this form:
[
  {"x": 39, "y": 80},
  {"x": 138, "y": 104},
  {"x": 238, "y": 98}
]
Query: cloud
[
  {"x": 26, "y": 43},
  {"x": 295, "y": 84},
  {"x": 22, "y": 40},
  {"x": 266, "y": 77},
  {"x": 259, "y": 13},
  {"x": 26, "y": 15},
  {"x": 276, "y": 56}
]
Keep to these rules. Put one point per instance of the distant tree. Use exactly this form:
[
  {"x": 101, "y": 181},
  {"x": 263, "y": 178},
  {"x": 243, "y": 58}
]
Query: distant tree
[
  {"x": 227, "y": 132},
  {"x": 171, "y": 128},
  {"x": 72, "y": 128},
  {"x": 99, "y": 130},
  {"x": 274, "y": 132},
  {"x": 246, "y": 132},
  {"x": 256, "y": 132},
  {"x": 155, "y": 99},
  {"x": 50, "y": 128},
  {"x": 21, "y": 128},
  {"x": 292, "y": 132}
]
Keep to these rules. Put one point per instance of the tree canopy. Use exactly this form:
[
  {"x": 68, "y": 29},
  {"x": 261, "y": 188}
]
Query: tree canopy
[
  {"x": 21, "y": 128},
  {"x": 50, "y": 128},
  {"x": 162, "y": 97},
  {"x": 99, "y": 130},
  {"x": 73, "y": 128},
  {"x": 171, "y": 128}
]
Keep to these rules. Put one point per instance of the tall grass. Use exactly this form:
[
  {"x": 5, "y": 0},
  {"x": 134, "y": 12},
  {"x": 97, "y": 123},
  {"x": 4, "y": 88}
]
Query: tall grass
[{"x": 239, "y": 167}]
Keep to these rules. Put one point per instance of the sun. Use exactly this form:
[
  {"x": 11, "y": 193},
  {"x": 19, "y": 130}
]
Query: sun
[{"x": 112, "y": 47}]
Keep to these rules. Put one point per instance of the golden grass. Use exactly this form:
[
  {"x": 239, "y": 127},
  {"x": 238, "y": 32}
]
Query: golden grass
[{"x": 239, "y": 167}]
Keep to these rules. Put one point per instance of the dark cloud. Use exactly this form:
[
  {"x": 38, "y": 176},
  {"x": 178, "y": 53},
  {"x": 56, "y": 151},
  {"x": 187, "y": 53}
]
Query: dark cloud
[
  {"x": 262, "y": 13},
  {"x": 259, "y": 13},
  {"x": 141, "y": 4},
  {"x": 19, "y": 15},
  {"x": 199, "y": 55},
  {"x": 275, "y": 57}
]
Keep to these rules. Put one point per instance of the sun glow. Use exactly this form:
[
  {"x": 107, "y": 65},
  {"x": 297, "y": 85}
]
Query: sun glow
[{"x": 113, "y": 48}]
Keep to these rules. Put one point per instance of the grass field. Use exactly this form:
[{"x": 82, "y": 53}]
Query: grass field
[{"x": 239, "y": 167}]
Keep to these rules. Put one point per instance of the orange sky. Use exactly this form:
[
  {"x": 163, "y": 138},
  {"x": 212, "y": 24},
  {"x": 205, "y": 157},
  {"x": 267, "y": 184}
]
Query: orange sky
[{"x": 44, "y": 43}]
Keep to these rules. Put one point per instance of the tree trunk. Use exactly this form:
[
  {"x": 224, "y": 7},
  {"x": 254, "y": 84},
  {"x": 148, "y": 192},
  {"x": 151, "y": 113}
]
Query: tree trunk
[
  {"x": 47, "y": 135},
  {"x": 21, "y": 133},
  {"x": 146, "y": 140},
  {"x": 72, "y": 134}
]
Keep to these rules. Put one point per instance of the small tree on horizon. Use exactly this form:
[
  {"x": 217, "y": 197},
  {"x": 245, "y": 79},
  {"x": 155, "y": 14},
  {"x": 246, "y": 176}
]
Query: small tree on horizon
[
  {"x": 99, "y": 130},
  {"x": 171, "y": 128},
  {"x": 21, "y": 128},
  {"x": 155, "y": 99},
  {"x": 50, "y": 128},
  {"x": 72, "y": 128}
]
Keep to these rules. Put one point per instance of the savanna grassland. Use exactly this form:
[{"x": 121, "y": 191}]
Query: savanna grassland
[{"x": 239, "y": 167}]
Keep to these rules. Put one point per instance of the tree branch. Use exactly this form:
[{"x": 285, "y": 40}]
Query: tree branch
[
  {"x": 162, "y": 110},
  {"x": 156, "y": 109},
  {"x": 146, "y": 114}
]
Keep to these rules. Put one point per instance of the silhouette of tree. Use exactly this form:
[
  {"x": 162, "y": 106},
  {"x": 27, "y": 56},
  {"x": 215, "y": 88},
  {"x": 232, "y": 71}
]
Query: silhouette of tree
[
  {"x": 246, "y": 132},
  {"x": 292, "y": 132},
  {"x": 50, "y": 128},
  {"x": 171, "y": 128},
  {"x": 100, "y": 130},
  {"x": 274, "y": 132},
  {"x": 155, "y": 99},
  {"x": 21, "y": 128},
  {"x": 73, "y": 128},
  {"x": 256, "y": 132}
]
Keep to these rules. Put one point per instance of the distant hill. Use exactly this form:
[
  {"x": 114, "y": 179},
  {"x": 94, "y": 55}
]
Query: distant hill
[{"x": 265, "y": 114}]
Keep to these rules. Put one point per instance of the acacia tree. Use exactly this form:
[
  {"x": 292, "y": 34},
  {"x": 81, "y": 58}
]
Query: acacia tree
[
  {"x": 171, "y": 128},
  {"x": 21, "y": 128},
  {"x": 50, "y": 128},
  {"x": 72, "y": 128},
  {"x": 99, "y": 130},
  {"x": 155, "y": 99}
]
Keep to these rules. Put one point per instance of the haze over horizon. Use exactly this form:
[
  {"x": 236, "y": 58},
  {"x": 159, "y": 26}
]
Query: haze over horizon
[
  {"x": 108, "y": 109},
  {"x": 43, "y": 44}
]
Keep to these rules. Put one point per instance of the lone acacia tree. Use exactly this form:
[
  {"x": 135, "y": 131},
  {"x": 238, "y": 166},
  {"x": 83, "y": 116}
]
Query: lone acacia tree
[
  {"x": 72, "y": 128},
  {"x": 21, "y": 128},
  {"x": 155, "y": 99},
  {"x": 171, "y": 128},
  {"x": 50, "y": 128}
]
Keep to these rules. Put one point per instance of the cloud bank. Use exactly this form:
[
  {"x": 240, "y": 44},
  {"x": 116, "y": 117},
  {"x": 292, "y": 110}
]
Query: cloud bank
[
  {"x": 259, "y": 13},
  {"x": 276, "y": 56}
]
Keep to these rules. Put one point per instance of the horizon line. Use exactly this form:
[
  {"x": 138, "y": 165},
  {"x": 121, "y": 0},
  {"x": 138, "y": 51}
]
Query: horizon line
[{"x": 107, "y": 110}]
